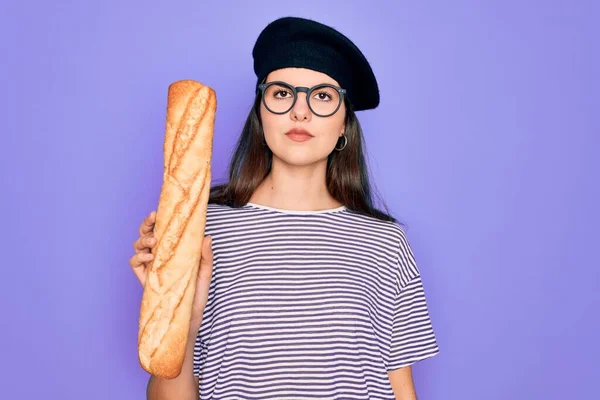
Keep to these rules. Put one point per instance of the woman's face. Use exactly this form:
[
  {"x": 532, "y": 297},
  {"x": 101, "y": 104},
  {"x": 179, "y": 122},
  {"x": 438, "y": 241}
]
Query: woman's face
[{"x": 284, "y": 132}]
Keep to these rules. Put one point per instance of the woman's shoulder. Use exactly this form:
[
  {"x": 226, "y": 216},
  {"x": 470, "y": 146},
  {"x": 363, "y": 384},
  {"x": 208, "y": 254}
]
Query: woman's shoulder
[
  {"x": 391, "y": 227},
  {"x": 218, "y": 210}
]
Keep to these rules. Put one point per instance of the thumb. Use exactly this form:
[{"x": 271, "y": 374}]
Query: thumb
[{"x": 206, "y": 259}]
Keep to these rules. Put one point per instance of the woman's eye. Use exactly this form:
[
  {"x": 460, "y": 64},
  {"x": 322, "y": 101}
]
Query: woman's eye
[
  {"x": 323, "y": 96},
  {"x": 281, "y": 93}
]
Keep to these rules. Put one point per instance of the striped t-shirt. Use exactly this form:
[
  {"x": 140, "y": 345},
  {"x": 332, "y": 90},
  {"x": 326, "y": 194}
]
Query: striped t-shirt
[{"x": 308, "y": 305}]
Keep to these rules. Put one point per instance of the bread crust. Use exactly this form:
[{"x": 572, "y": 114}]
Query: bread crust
[{"x": 170, "y": 286}]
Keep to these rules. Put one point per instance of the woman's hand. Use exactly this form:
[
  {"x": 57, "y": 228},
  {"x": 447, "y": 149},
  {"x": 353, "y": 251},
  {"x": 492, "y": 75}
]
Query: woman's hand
[{"x": 140, "y": 263}]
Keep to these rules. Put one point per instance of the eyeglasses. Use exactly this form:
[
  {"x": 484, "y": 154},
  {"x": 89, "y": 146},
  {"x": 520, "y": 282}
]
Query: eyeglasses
[{"x": 323, "y": 100}]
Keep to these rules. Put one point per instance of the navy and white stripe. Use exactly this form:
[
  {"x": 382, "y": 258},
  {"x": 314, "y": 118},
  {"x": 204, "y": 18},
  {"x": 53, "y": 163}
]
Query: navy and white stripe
[{"x": 308, "y": 305}]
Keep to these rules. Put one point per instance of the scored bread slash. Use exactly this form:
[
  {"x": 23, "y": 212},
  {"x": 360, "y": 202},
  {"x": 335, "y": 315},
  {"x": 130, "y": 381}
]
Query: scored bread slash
[{"x": 179, "y": 227}]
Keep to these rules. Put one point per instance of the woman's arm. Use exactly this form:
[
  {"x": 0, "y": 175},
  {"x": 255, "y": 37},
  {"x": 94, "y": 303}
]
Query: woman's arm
[
  {"x": 402, "y": 383},
  {"x": 184, "y": 387}
]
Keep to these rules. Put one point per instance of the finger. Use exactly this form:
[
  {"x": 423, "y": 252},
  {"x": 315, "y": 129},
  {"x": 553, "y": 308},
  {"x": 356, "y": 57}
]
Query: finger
[
  {"x": 144, "y": 243},
  {"x": 145, "y": 257},
  {"x": 137, "y": 263},
  {"x": 206, "y": 262},
  {"x": 207, "y": 255},
  {"x": 140, "y": 260},
  {"x": 148, "y": 224}
]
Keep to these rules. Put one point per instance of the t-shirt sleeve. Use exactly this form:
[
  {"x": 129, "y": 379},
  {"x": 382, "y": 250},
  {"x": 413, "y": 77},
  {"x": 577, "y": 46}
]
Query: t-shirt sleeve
[{"x": 412, "y": 336}]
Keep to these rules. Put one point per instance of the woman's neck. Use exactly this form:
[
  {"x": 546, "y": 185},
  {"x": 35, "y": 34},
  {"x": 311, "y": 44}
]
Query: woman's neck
[{"x": 295, "y": 188}]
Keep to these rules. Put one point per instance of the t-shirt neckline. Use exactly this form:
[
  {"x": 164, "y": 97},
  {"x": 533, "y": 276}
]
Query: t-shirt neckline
[{"x": 300, "y": 212}]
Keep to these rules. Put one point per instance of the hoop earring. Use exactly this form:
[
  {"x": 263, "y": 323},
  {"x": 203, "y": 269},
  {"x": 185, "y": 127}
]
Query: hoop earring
[{"x": 345, "y": 143}]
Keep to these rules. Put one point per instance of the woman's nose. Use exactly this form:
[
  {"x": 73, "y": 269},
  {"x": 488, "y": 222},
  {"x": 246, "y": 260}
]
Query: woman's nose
[{"x": 300, "y": 111}]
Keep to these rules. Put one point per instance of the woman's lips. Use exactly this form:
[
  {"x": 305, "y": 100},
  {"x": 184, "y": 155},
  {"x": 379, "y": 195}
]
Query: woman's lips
[{"x": 299, "y": 135}]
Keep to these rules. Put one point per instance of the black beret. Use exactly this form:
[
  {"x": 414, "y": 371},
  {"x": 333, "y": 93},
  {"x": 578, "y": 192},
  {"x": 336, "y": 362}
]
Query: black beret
[{"x": 303, "y": 43}]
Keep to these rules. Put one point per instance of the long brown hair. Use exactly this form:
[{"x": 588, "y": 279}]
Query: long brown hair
[{"x": 347, "y": 176}]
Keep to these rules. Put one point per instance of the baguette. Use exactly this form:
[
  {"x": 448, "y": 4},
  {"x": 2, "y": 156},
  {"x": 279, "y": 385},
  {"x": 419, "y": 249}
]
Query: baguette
[{"x": 167, "y": 300}]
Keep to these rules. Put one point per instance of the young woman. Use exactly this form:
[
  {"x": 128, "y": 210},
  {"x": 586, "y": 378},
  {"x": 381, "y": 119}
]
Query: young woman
[{"x": 305, "y": 290}]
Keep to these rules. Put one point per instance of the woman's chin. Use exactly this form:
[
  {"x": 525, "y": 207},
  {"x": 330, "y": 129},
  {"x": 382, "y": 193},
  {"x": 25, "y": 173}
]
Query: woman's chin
[{"x": 300, "y": 157}]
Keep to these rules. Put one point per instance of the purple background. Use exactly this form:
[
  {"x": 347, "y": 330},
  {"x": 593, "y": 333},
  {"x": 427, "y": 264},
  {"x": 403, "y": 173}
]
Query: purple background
[{"x": 485, "y": 145}]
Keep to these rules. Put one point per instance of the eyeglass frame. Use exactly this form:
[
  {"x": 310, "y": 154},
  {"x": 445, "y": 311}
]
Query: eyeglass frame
[{"x": 302, "y": 89}]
